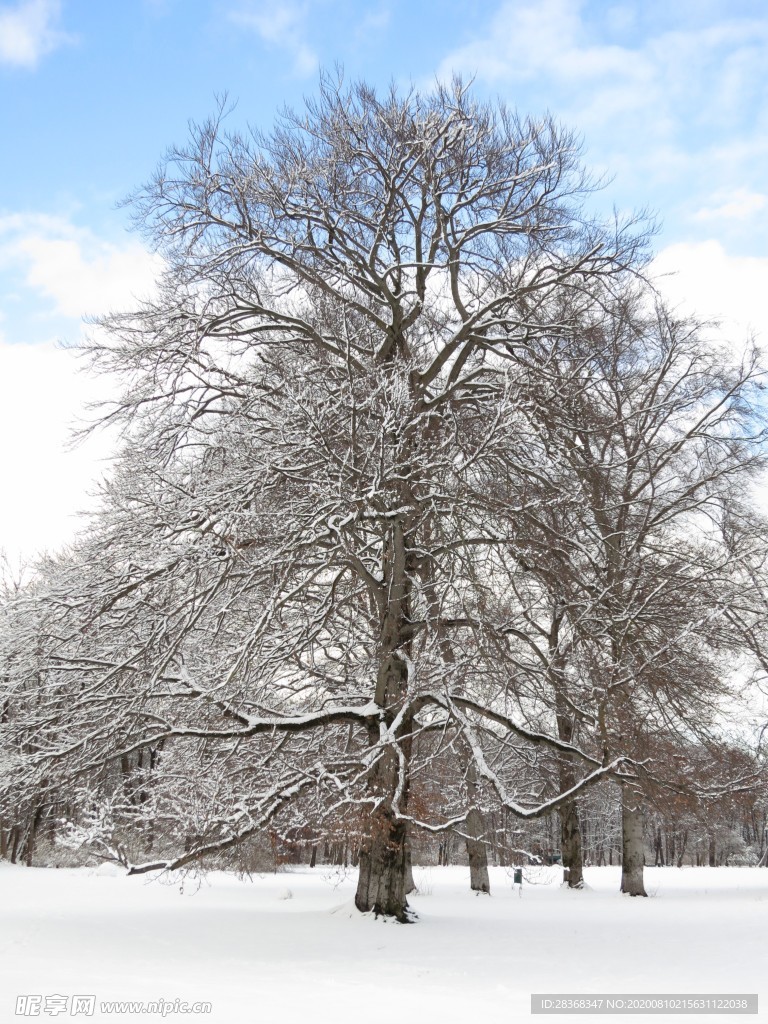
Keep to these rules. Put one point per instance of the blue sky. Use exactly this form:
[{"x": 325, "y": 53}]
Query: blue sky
[{"x": 671, "y": 100}]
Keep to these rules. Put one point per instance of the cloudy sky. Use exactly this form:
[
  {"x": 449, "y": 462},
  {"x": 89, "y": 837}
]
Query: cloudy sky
[{"x": 671, "y": 100}]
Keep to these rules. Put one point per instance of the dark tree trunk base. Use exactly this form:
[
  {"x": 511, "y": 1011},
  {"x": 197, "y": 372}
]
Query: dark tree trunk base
[
  {"x": 383, "y": 878},
  {"x": 568, "y": 884},
  {"x": 570, "y": 842}
]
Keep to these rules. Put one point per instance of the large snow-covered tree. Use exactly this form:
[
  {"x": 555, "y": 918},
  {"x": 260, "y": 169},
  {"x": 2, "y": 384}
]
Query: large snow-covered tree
[
  {"x": 325, "y": 374},
  {"x": 400, "y": 468}
]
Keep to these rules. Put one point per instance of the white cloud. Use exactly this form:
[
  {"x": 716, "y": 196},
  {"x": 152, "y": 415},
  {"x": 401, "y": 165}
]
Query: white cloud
[
  {"x": 28, "y": 32},
  {"x": 526, "y": 40},
  {"x": 79, "y": 272},
  {"x": 43, "y": 395},
  {"x": 44, "y": 484},
  {"x": 738, "y": 205},
  {"x": 552, "y": 40},
  {"x": 642, "y": 98},
  {"x": 83, "y": 284},
  {"x": 281, "y": 24},
  {"x": 703, "y": 278}
]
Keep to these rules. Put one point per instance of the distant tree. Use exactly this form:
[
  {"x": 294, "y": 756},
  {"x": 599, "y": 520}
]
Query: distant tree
[{"x": 650, "y": 440}]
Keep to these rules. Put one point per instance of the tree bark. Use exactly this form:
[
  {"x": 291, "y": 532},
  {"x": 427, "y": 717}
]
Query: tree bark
[
  {"x": 477, "y": 853},
  {"x": 571, "y": 847},
  {"x": 382, "y": 881},
  {"x": 16, "y": 834},
  {"x": 477, "y": 849},
  {"x": 410, "y": 884},
  {"x": 658, "y": 848},
  {"x": 633, "y": 856},
  {"x": 570, "y": 844},
  {"x": 683, "y": 844}
]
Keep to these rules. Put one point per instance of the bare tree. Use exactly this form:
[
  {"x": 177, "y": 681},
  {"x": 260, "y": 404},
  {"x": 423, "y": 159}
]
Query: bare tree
[
  {"x": 419, "y": 513},
  {"x": 326, "y": 372},
  {"x": 652, "y": 438}
]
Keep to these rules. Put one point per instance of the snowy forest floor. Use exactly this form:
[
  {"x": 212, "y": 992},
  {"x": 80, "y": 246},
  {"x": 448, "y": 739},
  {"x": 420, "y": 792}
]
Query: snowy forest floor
[{"x": 290, "y": 947}]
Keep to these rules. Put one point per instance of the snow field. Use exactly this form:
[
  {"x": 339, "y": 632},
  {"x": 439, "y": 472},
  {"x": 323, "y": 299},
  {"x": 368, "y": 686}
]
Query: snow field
[{"x": 290, "y": 947}]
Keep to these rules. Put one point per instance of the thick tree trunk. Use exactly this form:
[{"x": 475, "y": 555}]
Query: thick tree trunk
[
  {"x": 633, "y": 857},
  {"x": 477, "y": 849},
  {"x": 383, "y": 876},
  {"x": 570, "y": 844},
  {"x": 382, "y": 881},
  {"x": 477, "y": 853}
]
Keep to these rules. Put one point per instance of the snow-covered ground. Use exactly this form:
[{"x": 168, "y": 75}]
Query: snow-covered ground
[{"x": 290, "y": 948}]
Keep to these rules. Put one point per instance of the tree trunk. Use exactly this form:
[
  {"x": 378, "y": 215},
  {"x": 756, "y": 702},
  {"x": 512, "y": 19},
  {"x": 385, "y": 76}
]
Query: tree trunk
[
  {"x": 16, "y": 834},
  {"x": 658, "y": 848},
  {"x": 477, "y": 853},
  {"x": 382, "y": 881},
  {"x": 410, "y": 885},
  {"x": 383, "y": 878},
  {"x": 570, "y": 844},
  {"x": 381, "y": 885},
  {"x": 683, "y": 844},
  {"x": 477, "y": 849},
  {"x": 633, "y": 857}
]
